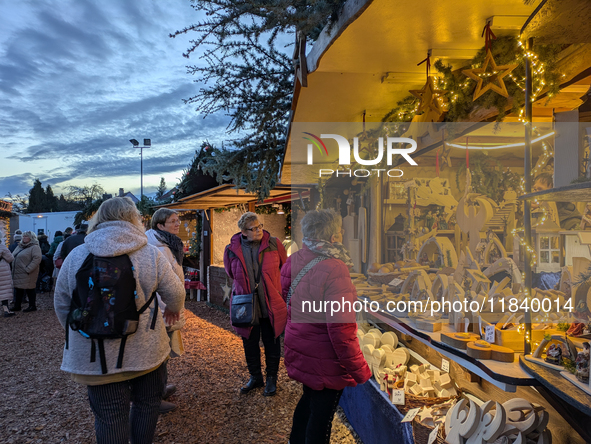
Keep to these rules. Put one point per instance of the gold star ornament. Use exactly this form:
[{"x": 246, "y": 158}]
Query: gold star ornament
[
  {"x": 492, "y": 73},
  {"x": 431, "y": 98}
]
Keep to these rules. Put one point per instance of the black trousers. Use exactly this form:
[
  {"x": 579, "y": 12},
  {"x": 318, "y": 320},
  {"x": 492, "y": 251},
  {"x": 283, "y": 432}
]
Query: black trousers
[
  {"x": 252, "y": 351},
  {"x": 312, "y": 418},
  {"x": 20, "y": 294},
  {"x": 110, "y": 403}
]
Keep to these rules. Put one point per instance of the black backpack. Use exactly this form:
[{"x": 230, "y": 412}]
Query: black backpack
[{"x": 103, "y": 304}]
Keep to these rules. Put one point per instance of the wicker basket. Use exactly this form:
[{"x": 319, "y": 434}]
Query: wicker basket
[
  {"x": 413, "y": 401},
  {"x": 421, "y": 432}
]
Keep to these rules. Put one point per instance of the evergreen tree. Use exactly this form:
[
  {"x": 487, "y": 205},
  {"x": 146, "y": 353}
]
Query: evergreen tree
[
  {"x": 252, "y": 79},
  {"x": 51, "y": 202},
  {"x": 161, "y": 190},
  {"x": 36, "y": 198}
]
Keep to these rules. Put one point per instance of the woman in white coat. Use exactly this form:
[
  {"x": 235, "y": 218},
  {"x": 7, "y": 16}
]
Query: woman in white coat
[
  {"x": 6, "y": 291},
  {"x": 164, "y": 236}
]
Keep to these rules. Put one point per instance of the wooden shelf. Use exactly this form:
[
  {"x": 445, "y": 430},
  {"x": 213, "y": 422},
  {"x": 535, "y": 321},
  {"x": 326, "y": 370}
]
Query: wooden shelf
[
  {"x": 506, "y": 376},
  {"x": 579, "y": 192}
]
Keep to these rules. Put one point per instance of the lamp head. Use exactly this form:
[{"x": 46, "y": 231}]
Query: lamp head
[{"x": 134, "y": 142}]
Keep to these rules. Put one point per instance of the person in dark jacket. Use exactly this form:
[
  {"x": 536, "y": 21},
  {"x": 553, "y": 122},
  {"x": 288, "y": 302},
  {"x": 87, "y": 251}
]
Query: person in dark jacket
[
  {"x": 43, "y": 243},
  {"x": 322, "y": 350},
  {"x": 57, "y": 239},
  {"x": 74, "y": 240},
  {"x": 242, "y": 259}
]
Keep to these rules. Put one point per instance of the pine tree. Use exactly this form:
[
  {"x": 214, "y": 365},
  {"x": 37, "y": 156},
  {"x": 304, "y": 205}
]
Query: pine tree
[
  {"x": 51, "y": 202},
  {"x": 252, "y": 79},
  {"x": 161, "y": 190},
  {"x": 36, "y": 198}
]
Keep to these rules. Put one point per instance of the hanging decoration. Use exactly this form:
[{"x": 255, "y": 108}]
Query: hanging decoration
[
  {"x": 459, "y": 95},
  {"x": 492, "y": 73},
  {"x": 489, "y": 74}
]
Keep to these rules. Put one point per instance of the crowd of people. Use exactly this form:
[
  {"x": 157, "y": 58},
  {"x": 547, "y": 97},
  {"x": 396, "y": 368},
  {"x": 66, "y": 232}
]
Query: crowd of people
[{"x": 127, "y": 383}]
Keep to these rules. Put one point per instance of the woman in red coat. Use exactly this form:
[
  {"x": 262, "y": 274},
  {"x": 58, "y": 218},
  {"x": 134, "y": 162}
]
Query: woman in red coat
[
  {"x": 321, "y": 347},
  {"x": 242, "y": 258}
]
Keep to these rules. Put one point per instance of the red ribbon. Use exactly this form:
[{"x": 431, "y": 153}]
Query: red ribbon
[
  {"x": 467, "y": 155},
  {"x": 428, "y": 62},
  {"x": 437, "y": 163},
  {"x": 488, "y": 36}
]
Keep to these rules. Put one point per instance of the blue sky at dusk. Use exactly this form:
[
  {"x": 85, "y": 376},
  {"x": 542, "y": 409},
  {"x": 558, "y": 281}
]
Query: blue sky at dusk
[{"x": 78, "y": 79}]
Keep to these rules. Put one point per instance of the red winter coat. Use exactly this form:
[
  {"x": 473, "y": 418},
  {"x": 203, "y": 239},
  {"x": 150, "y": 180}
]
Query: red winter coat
[
  {"x": 271, "y": 280},
  {"x": 322, "y": 354}
]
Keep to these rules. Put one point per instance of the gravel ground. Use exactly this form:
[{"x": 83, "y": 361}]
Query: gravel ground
[{"x": 40, "y": 404}]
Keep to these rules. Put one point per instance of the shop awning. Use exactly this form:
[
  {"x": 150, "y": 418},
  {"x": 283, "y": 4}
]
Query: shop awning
[{"x": 228, "y": 195}]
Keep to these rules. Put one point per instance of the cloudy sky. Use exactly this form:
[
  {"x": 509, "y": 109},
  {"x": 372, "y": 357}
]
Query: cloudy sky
[{"x": 78, "y": 79}]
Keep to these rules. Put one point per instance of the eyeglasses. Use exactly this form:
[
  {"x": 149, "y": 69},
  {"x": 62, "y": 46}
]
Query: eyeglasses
[{"x": 255, "y": 229}]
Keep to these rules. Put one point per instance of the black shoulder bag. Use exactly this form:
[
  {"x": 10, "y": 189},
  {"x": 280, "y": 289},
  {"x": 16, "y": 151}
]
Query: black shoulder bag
[{"x": 244, "y": 310}]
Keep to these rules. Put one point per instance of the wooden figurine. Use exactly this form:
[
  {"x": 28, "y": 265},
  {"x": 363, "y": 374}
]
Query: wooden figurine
[
  {"x": 490, "y": 426},
  {"x": 461, "y": 421},
  {"x": 582, "y": 364}
]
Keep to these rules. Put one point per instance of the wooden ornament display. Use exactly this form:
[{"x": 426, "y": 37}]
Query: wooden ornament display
[
  {"x": 390, "y": 339},
  {"x": 459, "y": 340},
  {"x": 483, "y": 350}
]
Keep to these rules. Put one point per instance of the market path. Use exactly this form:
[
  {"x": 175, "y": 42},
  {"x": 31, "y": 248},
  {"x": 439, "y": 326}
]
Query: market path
[{"x": 40, "y": 404}]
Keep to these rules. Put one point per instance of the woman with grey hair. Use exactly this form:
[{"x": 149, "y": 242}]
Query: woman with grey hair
[
  {"x": 6, "y": 291},
  {"x": 322, "y": 352},
  {"x": 137, "y": 379},
  {"x": 254, "y": 254},
  {"x": 164, "y": 236},
  {"x": 25, "y": 270}
]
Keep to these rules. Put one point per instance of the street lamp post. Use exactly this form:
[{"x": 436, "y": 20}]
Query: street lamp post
[{"x": 147, "y": 144}]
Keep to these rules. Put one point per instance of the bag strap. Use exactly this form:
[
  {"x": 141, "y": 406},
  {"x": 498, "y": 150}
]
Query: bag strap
[
  {"x": 301, "y": 274},
  {"x": 258, "y": 278}
]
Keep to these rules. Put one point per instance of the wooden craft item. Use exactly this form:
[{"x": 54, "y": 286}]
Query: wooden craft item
[
  {"x": 472, "y": 219},
  {"x": 372, "y": 339},
  {"x": 360, "y": 335},
  {"x": 427, "y": 325},
  {"x": 490, "y": 426},
  {"x": 445, "y": 381},
  {"x": 379, "y": 357},
  {"x": 484, "y": 350},
  {"x": 442, "y": 247},
  {"x": 387, "y": 348},
  {"x": 408, "y": 284},
  {"x": 495, "y": 79},
  {"x": 521, "y": 415},
  {"x": 459, "y": 340},
  {"x": 439, "y": 289},
  {"x": 398, "y": 357},
  {"x": 390, "y": 339},
  {"x": 461, "y": 323},
  {"x": 461, "y": 421},
  {"x": 376, "y": 332}
]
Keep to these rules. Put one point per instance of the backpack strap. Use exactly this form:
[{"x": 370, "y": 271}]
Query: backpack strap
[
  {"x": 152, "y": 327},
  {"x": 301, "y": 274},
  {"x": 101, "y": 348}
]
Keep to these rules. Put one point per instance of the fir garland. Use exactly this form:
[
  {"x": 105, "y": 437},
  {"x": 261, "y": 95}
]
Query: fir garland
[
  {"x": 488, "y": 177},
  {"x": 505, "y": 50}
]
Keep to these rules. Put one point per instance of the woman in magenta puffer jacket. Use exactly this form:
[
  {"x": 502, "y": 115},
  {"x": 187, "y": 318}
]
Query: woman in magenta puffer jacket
[
  {"x": 241, "y": 259},
  {"x": 321, "y": 348}
]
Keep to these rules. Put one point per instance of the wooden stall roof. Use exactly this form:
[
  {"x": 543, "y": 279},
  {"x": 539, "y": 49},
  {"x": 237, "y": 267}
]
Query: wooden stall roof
[
  {"x": 225, "y": 195},
  {"x": 559, "y": 21}
]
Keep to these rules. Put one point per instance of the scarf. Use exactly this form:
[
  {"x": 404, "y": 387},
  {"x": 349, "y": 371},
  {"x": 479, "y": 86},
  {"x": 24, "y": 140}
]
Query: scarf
[
  {"x": 335, "y": 250},
  {"x": 174, "y": 243}
]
